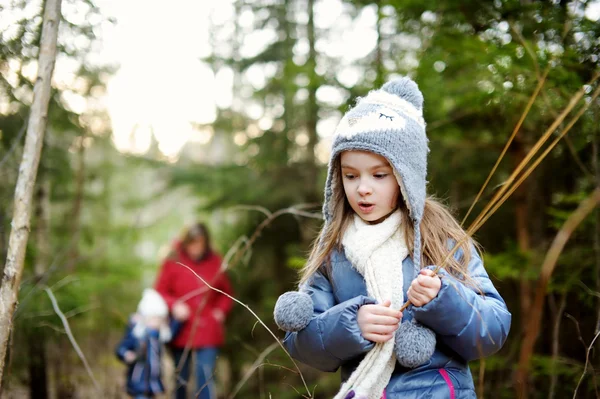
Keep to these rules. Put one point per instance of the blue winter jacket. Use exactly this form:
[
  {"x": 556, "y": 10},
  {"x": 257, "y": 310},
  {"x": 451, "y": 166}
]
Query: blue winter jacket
[
  {"x": 144, "y": 375},
  {"x": 468, "y": 325}
]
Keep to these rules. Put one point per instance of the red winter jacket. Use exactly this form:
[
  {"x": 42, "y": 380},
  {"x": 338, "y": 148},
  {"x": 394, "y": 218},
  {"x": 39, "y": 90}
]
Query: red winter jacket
[{"x": 175, "y": 281}]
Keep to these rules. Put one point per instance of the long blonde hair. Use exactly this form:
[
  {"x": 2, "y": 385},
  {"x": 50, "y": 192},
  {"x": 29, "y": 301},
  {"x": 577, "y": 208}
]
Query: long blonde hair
[{"x": 438, "y": 226}]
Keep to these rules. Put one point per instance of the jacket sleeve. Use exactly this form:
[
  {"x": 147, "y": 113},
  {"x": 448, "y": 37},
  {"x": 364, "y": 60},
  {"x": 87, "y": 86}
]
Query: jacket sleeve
[
  {"x": 164, "y": 282},
  {"x": 128, "y": 343},
  {"x": 223, "y": 302},
  {"x": 175, "y": 327},
  {"x": 332, "y": 336},
  {"x": 472, "y": 321}
]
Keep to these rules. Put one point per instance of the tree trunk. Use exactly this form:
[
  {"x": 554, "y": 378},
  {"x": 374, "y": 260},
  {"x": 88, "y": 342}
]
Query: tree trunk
[
  {"x": 379, "y": 68},
  {"x": 523, "y": 242},
  {"x": 313, "y": 107},
  {"x": 65, "y": 389},
  {"x": 75, "y": 215},
  {"x": 596, "y": 169},
  {"x": 288, "y": 85},
  {"x": 522, "y": 230},
  {"x": 38, "y": 370},
  {"x": 558, "y": 313},
  {"x": 42, "y": 227},
  {"x": 3, "y": 235},
  {"x": 38, "y": 117}
]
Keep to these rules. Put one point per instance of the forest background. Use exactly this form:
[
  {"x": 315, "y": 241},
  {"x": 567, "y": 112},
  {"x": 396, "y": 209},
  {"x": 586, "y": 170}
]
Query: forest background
[{"x": 224, "y": 113}]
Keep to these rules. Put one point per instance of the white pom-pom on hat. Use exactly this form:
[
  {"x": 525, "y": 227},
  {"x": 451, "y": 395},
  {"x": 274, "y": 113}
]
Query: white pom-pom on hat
[
  {"x": 152, "y": 304},
  {"x": 406, "y": 89}
]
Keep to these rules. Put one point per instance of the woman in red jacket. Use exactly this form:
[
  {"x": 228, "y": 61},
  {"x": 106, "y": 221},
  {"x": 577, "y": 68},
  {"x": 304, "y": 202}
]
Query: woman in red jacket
[{"x": 202, "y": 310}]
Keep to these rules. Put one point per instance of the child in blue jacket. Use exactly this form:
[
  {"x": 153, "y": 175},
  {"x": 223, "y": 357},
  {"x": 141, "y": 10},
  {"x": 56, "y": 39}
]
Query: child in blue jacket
[
  {"x": 381, "y": 240},
  {"x": 141, "y": 347}
]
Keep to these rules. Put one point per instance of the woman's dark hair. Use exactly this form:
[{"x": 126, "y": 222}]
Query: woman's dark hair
[
  {"x": 190, "y": 234},
  {"x": 194, "y": 232}
]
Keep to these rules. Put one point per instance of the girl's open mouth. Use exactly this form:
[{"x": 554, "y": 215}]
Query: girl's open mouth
[{"x": 366, "y": 207}]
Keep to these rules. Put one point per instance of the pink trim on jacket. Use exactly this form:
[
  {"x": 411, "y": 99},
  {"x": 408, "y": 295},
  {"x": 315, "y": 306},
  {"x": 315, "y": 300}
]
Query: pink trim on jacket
[{"x": 446, "y": 378}]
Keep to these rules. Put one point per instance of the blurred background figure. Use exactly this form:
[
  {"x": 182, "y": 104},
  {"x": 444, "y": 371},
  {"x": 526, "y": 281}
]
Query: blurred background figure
[
  {"x": 141, "y": 347},
  {"x": 224, "y": 111},
  {"x": 201, "y": 310}
]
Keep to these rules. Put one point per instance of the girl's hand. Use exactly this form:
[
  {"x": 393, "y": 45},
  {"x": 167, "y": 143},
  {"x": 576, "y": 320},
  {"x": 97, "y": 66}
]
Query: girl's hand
[
  {"x": 218, "y": 315},
  {"x": 378, "y": 322},
  {"x": 129, "y": 357},
  {"x": 424, "y": 288},
  {"x": 180, "y": 311}
]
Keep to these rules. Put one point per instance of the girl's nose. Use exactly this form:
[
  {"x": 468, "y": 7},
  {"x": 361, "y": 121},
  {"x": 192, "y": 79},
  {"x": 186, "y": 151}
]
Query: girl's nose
[{"x": 364, "y": 189}]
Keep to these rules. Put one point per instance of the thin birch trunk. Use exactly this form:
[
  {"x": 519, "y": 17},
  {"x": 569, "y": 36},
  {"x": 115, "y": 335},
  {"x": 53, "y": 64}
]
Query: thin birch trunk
[{"x": 38, "y": 119}]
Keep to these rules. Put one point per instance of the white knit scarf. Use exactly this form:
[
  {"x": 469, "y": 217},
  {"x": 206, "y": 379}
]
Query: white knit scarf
[{"x": 376, "y": 252}]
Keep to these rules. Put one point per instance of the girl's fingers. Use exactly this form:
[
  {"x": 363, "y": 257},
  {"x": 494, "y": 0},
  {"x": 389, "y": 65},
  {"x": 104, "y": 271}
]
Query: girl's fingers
[
  {"x": 417, "y": 288},
  {"x": 378, "y": 338},
  {"x": 381, "y": 329},
  {"x": 418, "y": 299},
  {"x": 426, "y": 281},
  {"x": 383, "y": 320},
  {"x": 385, "y": 311}
]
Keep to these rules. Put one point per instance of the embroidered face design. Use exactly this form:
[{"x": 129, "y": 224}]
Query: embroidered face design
[
  {"x": 369, "y": 184},
  {"x": 377, "y": 119}
]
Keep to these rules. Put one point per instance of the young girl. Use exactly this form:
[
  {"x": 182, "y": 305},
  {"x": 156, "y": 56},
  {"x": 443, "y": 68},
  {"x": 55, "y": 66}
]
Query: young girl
[
  {"x": 141, "y": 347},
  {"x": 380, "y": 231}
]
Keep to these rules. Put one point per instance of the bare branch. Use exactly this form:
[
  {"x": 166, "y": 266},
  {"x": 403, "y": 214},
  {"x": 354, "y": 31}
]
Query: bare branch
[
  {"x": 72, "y": 338},
  {"x": 587, "y": 360},
  {"x": 255, "y": 315},
  {"x": 507, "y": 190},
  {"x": 533, "y": 324},
  {"x": 64, "y": 281},
  {"x": 261, "y": 209},
  {"x": 510, "y": 140},
  {"x": 588, "y": 289},
  {"x": 80, "y": 310},
  {"x": 257, "y": 363},
  {"x": 46, "y": 324}
]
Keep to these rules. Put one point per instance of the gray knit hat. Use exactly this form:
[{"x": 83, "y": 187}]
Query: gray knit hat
[{"x": 388, "y": 122}]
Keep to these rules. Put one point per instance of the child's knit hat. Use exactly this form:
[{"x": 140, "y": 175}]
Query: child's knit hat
[
  {"x": 388, "y": 122},
  {"x": 152, "y": 304}
]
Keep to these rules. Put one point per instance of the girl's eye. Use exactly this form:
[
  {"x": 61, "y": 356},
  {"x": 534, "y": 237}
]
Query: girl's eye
[
  {"x": 349, "y": 177},
  {"x": 380, "y": 175}
]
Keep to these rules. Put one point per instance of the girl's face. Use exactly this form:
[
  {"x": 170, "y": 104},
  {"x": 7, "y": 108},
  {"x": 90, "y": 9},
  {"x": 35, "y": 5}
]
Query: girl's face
[
  {"x": 154, "y": 322},
  {"x": 195, "y": 249},
  {"x": 370, "y": 185}
]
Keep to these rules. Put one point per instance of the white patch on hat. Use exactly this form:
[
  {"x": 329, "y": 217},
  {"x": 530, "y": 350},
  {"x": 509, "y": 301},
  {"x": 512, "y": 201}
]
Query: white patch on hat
[
  {"x": 382, "y": 119},
  {"x": 152, "y": 304},
  {"x": 381, "y": 97}
]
